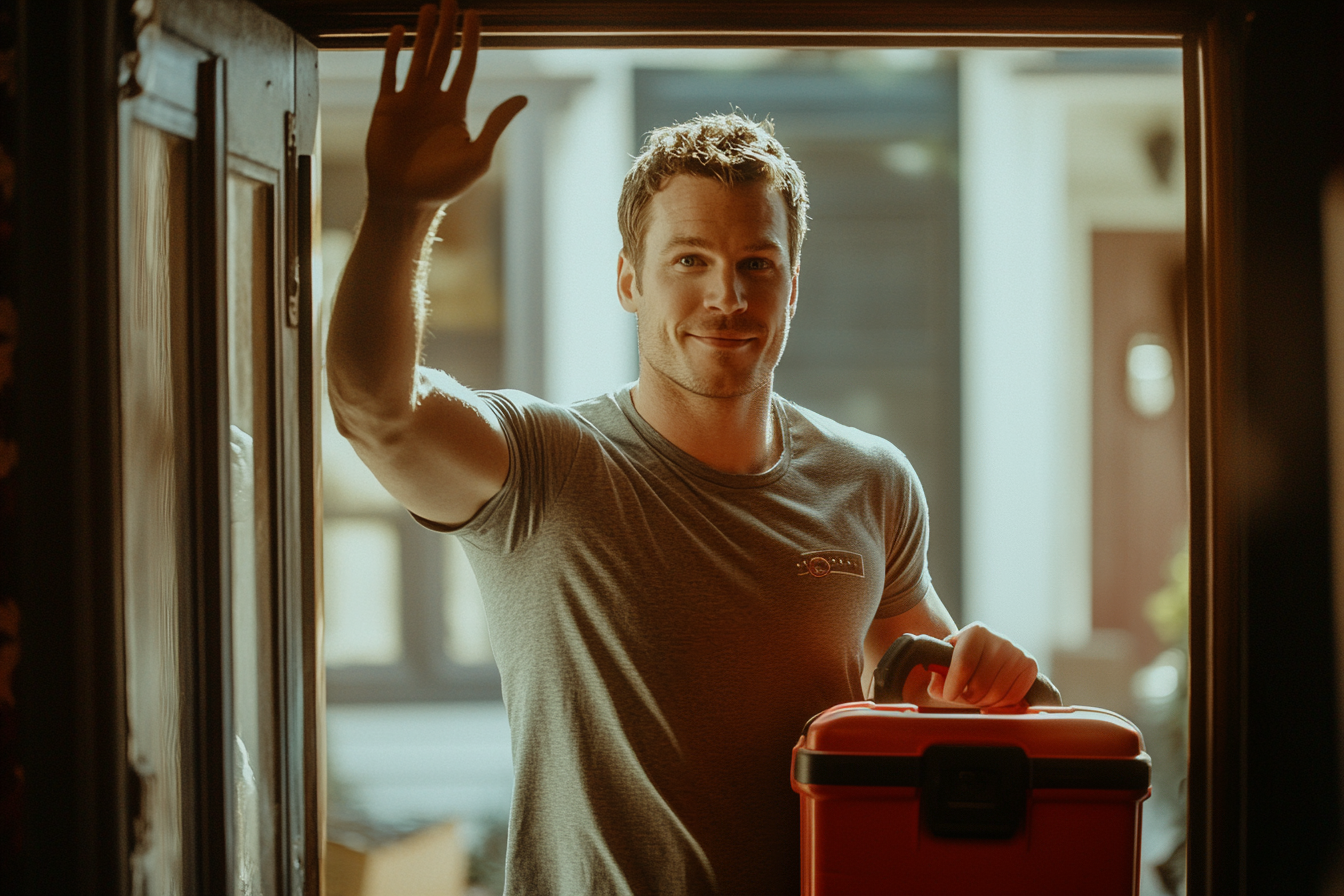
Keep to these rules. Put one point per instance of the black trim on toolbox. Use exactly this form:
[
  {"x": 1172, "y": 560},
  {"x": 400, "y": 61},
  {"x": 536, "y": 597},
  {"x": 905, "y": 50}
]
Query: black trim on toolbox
[
  {"x": 811, "y": 767},
  {"x": 1092, "y": 774},
  {"x": 859, "y": 771}
]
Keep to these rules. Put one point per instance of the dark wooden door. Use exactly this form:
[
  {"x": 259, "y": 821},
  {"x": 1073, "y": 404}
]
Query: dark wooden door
[{"x": 217, "y": 125}]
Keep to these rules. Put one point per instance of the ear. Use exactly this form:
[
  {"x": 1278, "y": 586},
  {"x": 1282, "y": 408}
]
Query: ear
[
  {"x": 793, "y": 294},
  {"x": 626, "y": 290}
]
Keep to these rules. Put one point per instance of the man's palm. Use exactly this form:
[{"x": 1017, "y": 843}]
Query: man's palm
[{"x": 419, "y": 151}]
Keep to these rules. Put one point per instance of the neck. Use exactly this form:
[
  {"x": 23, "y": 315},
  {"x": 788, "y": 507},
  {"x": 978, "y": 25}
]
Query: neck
[{"x": 732, "y": 435}]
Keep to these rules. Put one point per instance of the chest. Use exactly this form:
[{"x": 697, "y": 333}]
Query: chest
[{"x": 672, "y": 551}]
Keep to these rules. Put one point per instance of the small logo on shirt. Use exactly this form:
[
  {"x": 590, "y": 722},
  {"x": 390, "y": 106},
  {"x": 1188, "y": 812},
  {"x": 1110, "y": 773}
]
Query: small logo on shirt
[{"x": 820, "y": 564}]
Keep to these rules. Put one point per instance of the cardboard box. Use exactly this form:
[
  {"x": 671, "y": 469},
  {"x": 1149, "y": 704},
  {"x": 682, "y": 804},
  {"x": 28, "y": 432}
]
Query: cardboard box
[{"x": 430, "y": 862}]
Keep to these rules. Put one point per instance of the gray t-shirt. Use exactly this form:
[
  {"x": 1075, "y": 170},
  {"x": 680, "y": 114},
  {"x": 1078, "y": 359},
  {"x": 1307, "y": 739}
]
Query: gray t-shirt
[{"x": 664, "y": 630}]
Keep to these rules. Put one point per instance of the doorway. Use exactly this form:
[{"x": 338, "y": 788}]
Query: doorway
[{"x": 975, "y": 257}]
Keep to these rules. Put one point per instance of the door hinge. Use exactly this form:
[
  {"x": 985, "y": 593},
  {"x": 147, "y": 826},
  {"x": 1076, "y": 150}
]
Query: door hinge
[{"x": 293, "y": 196}]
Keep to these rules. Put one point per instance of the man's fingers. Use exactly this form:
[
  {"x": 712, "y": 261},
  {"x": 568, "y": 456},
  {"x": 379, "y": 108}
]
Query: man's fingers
[
  {"x": 498, "y": 121},
  {"x": 444, "y": 38},
  {"x": 424, "y": 42},
  {"x": 1018, "y": 692},
  {"x": 993, "y": 671},
  {"x": 1010, "y": 685},
  {"x": 466, "y": 62},
  {"x": 966, "y": 657},
  {"x": 994, "y": 674},
  {"x": 394, "y": 40},
  {"x": 937, "y": 686}
]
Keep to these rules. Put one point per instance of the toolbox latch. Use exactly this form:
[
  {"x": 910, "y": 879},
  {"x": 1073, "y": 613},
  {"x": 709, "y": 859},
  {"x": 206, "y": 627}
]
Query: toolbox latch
[{"x": 974, "y": 791}]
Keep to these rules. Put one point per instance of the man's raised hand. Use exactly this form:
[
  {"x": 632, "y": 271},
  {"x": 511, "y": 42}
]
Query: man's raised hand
[{"x": 419, "y": 153}]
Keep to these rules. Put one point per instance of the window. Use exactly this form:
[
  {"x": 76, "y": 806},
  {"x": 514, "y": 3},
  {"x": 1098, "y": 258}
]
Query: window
[{"x": 403, "y": 618}]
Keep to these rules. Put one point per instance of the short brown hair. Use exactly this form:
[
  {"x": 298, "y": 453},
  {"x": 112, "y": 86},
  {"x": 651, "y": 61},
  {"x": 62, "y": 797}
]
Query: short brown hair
[{"x": 731, "y": 149}]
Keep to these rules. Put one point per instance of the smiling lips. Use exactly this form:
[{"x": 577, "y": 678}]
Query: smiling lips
[
  {"x": 724, "y": 333},
  {"x": 724, "y": 340}
]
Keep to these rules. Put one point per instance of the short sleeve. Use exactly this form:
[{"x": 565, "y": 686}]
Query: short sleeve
[
  {"x": 907, "y": 519},
  {"x": 543, "y": 439}
]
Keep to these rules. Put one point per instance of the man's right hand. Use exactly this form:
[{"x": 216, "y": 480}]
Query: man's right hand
[{"x": 419, "y": 152}]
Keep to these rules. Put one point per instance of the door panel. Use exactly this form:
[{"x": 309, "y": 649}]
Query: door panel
[
  {"x": 250, "y": 295},
  {"x": 260, "y": 54},
  {"x": 154, "y": 472}
]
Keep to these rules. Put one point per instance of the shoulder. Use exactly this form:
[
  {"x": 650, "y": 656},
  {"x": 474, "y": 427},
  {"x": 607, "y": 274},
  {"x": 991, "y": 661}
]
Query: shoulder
[
  {"x": 845, "y": 460},
  {"x": 526, "y": 417},
  {"x": 516, "y": 407},
  {"x": 817, "y": 435}
]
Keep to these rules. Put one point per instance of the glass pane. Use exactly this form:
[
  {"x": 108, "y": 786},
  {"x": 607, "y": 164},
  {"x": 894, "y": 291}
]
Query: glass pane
[
  {"x": 249, "y": 302},
  {"x": 153, "y": 462},
  {"x": 362, "y": 585},
  {"x": 466, "y": 638}
]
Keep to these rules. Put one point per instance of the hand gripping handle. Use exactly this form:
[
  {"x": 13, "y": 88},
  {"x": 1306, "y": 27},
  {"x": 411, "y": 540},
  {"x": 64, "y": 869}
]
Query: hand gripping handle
[{"x": 909, "y": 651}]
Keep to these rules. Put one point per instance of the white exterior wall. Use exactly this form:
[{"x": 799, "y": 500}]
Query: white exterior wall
[
  {"x": 1047, "y": 158},
  {"x": 590, "y": 339},
  {"x": 1025, "y": 510}
]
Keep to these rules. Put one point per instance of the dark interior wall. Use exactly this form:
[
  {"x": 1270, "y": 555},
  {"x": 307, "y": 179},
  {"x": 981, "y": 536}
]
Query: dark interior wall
[
  {"x": 1291, "y": 131},
  {"x": 69, "y": 680},
  {"x": 11, "y": 770}
]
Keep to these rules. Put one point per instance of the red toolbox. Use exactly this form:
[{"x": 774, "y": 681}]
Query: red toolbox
[{"x": 897, "y": 799}]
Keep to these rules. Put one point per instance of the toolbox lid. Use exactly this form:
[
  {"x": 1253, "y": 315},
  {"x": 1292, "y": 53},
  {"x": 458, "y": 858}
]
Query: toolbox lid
[{"x": 902, "y": 729}]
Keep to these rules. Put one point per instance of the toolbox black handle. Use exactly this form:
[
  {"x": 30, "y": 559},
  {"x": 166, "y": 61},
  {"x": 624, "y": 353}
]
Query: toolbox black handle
[{"x": 909, "y": 651}]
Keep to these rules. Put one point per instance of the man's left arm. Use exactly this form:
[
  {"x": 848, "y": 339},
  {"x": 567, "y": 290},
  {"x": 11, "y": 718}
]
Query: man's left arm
[{"x": 987, "y": 669}]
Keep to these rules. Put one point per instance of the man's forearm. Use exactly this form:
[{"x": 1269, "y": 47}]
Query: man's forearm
[{"x": 377, "y": 320}]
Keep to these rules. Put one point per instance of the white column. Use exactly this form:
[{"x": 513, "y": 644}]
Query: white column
[
  {"x": 590, "y": 339},
  {"x": 1026, "y": 508}
]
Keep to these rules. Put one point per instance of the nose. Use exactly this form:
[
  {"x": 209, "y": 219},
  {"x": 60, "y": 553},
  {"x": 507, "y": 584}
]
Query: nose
[{"x": 726, "y": 294}]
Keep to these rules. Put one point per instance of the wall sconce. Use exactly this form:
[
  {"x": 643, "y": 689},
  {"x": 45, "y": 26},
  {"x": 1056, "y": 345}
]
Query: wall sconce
[{"x": 1149, "y": 381}]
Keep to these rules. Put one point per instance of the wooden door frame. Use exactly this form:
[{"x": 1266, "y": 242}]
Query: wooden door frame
[{"x": 1216, "y": 798}]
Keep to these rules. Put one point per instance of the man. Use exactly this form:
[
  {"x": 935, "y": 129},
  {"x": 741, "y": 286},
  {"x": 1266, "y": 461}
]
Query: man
[{"x": 678, "y": 574}]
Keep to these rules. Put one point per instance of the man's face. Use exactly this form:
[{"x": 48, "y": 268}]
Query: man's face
[{"x": 715, "y": 291}]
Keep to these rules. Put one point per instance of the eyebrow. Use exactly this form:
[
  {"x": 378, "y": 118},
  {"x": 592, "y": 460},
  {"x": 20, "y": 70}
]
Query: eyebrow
[{"x": 695, "y": 242}]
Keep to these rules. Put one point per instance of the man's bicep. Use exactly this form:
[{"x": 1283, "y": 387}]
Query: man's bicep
[{"x": 448, "y": 459}]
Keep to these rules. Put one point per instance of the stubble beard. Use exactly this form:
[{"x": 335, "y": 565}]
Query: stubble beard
[{"x": 673, "y": 365}]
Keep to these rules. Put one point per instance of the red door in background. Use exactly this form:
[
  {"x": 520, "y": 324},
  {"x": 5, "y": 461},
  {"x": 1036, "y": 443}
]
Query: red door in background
[{"x": 1140, "y": 516}]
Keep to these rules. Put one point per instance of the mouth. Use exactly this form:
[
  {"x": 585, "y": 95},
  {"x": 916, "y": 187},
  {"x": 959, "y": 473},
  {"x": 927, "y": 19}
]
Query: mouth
[{"x": 724, "y": 340}]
